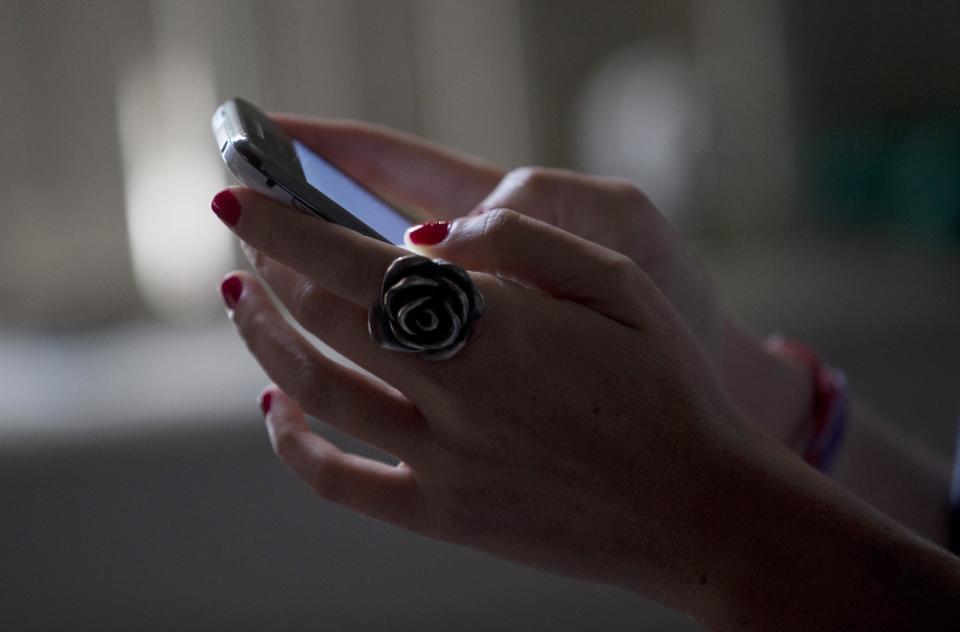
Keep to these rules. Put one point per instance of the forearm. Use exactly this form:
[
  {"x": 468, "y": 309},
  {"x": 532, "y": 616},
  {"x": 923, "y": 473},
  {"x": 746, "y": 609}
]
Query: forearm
[
  {"x": 810, "y": 556},
  {"x": 895, "y": 473},
  {"x": 878, "y": 463}
]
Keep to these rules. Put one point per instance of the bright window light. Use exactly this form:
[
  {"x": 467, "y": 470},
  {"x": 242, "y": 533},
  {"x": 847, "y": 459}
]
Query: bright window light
[{"x": 171, "y": 170}]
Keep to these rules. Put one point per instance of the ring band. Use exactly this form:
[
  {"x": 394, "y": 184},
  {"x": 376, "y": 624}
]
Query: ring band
[{"x": 426, "y": 306}]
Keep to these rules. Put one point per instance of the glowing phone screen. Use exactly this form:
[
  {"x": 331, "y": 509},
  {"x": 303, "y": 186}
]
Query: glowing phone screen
[{"x": 337, "y": 186}]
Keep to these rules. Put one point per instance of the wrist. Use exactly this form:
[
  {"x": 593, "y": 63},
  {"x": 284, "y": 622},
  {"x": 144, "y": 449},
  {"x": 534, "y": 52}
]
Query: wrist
[
  {"x": 804, "y": 554},
  {"x": 772, "y": 391}
]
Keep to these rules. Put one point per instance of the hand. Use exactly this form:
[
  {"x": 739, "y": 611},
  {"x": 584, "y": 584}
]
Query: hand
[
  {"x": 772, "y": 392},
  {"x": 580, "y": 431}
]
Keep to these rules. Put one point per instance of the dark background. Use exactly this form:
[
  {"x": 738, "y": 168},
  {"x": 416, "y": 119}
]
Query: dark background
[{"x": 811, "y": 150}]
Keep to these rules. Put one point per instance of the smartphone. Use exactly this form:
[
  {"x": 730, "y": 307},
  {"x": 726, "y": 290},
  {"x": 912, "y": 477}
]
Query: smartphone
[{"x": 263, "y": 157}]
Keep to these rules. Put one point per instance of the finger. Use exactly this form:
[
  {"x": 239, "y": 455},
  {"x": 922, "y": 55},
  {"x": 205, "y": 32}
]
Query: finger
[
  {"x": 541, "y": 256},
  {"x": 381, "y": 491},
  {"x": 333, "y": 393},
  {"x": 561, "y": 198},
  {"x": 519, "y": 190},
  {"x": 340, "y": 324},
  {"x": 408, "y": 171},
  {"x": 541, "y": 192},
  {"x": 339, "y": 259}
]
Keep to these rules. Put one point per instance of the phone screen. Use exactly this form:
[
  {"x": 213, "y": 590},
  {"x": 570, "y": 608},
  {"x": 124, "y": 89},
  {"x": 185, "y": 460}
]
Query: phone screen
[{"x": 340, "y": 188}]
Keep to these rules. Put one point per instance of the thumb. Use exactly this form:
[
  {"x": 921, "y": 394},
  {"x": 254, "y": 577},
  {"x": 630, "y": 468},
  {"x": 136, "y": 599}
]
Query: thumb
[{"x": 541, "y": 257}]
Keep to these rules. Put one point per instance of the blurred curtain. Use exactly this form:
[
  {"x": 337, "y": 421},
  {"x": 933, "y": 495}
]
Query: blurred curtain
[{"x": 107, "y": 159}]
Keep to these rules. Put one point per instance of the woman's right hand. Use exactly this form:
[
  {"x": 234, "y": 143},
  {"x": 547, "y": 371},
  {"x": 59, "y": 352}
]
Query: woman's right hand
[
  {"x": 580, "y": 431},
  {"x": 440, "y": 184}
]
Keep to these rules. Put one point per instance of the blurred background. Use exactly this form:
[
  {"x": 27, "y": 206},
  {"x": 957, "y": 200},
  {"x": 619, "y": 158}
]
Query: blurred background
[{"x": 811, "y": 150}]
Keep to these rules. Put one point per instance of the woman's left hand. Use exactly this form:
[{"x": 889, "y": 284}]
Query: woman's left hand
[{"x": 580, "y": 430}]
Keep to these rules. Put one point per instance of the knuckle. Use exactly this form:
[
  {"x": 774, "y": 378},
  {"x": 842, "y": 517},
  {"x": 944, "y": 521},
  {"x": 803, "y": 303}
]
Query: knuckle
[
  {"x": 497, "y": 233},
  {"x": 308, "y": 389},
  {"x": 326, "y": 477},
  {"x": 285, "y": 445},
  {"x": 628, "y": 191},
  {"x": 623, "y": 271},
  {"x": 311, "y": 307},
  {"x": 254, "y": 325},
  {"x": 498, "y": 222},
  {"x": 529, "y": 177}
]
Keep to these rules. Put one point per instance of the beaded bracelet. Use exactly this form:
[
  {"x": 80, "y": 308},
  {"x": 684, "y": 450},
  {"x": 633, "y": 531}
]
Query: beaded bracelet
[{"x": 828, "y": 408}]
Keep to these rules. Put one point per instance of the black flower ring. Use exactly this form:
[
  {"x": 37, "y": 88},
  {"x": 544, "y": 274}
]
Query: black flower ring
[{"x": 426, "y": 307}]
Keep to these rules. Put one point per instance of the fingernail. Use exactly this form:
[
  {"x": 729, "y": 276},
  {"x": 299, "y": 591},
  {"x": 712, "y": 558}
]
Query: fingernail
[
  {"x": 227, "y": 207},
  {"x": 265, "y": 402},
  {"x": 429, "y": 234},
  {"x": 231, "y": 288}
]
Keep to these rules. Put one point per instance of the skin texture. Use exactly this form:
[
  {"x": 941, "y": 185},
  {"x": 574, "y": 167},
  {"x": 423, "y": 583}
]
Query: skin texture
[
  {"x": 771, "y": 392},
  {"x": 586, "y": 429},
  {"x": 498, "y": 453},
  {"x": 438, "y": 183}
]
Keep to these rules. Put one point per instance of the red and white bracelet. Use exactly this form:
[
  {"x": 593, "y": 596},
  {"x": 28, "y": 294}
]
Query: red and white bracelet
[{"x": 829, "y": 407}]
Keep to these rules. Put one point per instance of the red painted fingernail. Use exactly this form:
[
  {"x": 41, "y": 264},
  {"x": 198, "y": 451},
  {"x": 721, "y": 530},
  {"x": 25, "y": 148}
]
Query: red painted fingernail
[
  {"x": 231, "y": 288},
  {"x": 429, "y": 234},
  {"x": 227, "y": 207},
  {"x": 265, "y": 402}
]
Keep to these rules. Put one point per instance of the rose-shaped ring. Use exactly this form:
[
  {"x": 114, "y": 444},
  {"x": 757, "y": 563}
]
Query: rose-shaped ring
[{"x": 427, "y": 306}]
